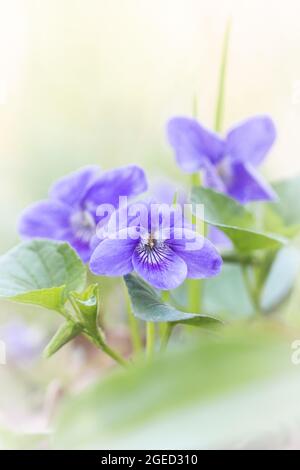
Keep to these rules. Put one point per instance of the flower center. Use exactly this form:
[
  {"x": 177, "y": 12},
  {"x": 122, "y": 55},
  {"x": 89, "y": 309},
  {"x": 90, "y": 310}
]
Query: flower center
[
  {"x": 83, "y": 225},
  {"x": 152, "y": 251},
  {"x": 150, "y": 242}
]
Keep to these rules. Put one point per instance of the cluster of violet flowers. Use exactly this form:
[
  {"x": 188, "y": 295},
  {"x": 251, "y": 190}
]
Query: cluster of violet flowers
[
  {"x": 160, "y": 251},
  {"x": 108, "y": 219}
]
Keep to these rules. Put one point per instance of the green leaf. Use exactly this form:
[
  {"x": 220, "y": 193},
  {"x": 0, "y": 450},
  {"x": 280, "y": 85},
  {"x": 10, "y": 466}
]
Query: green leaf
[
  {"x": 226, "y": 294},
  {"x": 221, "y": 210},
  {"x": 250, "y": 240},
  {"x": 282, "y": 277},
  {"x": 64, "y": 334},
  {"x": 234, "y": 220},
  {"x": 200, "y": 395},
  {"x": 147, "y": 305},
  {"x": 288, "y": 192},
  {"x": 274, "y": 222},
  {"x": 51, "y": 298},
  {"x": 41, "y": 272}
]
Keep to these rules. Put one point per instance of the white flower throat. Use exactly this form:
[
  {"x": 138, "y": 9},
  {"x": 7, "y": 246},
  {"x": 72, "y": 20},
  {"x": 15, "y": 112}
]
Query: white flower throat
[
  {"x": 152, "y": 250},
  {"x": 83, "y": 225},
  {"x": 224, "y": 170}
]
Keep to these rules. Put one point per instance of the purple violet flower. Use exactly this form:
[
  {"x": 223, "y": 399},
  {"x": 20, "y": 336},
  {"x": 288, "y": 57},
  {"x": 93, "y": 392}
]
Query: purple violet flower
[
  {"x": 229, "y": 165},
  {"x": 163, "y": 250},
  {"x": 69, "y": 214},
  {"x": 23, "y": 343}
]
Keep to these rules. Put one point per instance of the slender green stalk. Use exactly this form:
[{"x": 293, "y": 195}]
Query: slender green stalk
[
  {"x": 195, "y": 286},
  {"x": 114, "y": 355},
  {"x": 168, "y": 328},
  {"x": 165, "y": 296},
  {"x": 100, "y": 343},
  {"x": 195, "y": 294},
  {"x": 196, "y": 179},
  {"x": 253, "y": 292},
  {"x": 150, "y": 339},
  {"x": 219, "y": 115},
  {"x": 134, "y": 331},
  {"x": 133, "y": 326},
  {"x": 165, "y": 329},
  {"x": 175, "y": 198}
]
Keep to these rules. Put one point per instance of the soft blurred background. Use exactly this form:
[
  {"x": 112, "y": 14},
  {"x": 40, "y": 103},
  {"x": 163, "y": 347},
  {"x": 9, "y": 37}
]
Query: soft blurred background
[{"x": 94, "y": 81}]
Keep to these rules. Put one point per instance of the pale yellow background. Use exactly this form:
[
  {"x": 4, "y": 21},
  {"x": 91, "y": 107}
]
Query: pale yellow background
[{"x": 85, "y": 81}]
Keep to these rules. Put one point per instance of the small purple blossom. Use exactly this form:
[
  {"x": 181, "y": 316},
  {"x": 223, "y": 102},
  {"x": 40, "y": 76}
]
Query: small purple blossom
[
  {"x": 164, "y": 250},
  {"x": 23, "y": 343},
  {"x": 69, "y": 214},
  {"x": 228, "y": 164}
]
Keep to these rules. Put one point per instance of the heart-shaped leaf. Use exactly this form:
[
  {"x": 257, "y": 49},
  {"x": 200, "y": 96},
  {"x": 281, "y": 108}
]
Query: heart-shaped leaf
[
  {"x": 147, "y": 305},
  {"x": 234, "y": 220},
  {"x": 250, "y": 240},
  {"x": 288, "y": 193},
  {"x": 221, "y": 210},
  {"x": 274, "y": 222},
  {"x": 41, "y": 272},
  {"x": 282, "y": 277}
]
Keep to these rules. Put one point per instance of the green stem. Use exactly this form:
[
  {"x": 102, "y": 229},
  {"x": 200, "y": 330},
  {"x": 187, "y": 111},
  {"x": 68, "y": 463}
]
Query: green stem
[
  {"x": 100, "y": 343},
  {"x": 165, "y": 296},
  {"x": 165, "y": 329},
  {"x": 114, "y": 355},
  {"x": 133, "y": 326},
  {"x": 134, "y": 331},
  {"x": 196, "y": 179},
  {"x": 195, "y": 294},
  {"x": 150, "y": 339},
  {"x": 221, "y": 86},
  {"x": 253, "y": 291},
  {"x": 195, "y": 287},
  {"x": 168, "y": 328}
]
